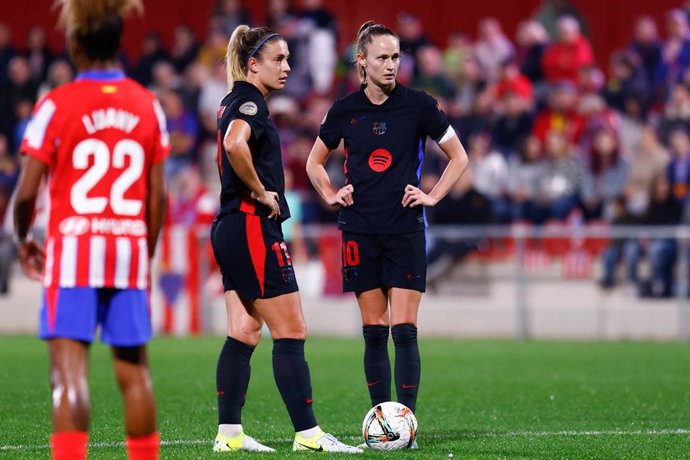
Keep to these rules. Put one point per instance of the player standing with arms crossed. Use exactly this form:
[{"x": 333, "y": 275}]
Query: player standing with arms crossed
[
  {"x": 102, "y": 142},
  {"x": 385, "y": 126},
  {"x": 248, "y": 244}
]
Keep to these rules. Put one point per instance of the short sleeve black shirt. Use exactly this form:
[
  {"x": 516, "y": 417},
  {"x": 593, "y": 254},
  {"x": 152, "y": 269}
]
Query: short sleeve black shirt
[
  {"x": 384, "y": 150},
  {"x": 245, "y": 102}
]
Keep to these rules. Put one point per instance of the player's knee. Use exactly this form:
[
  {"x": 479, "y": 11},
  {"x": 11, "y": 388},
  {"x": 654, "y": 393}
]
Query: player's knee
[
  {"x": 249, "y": 337},
  {"x": 291, "y": 331},
  {"x": 404, "y": 333},
  {"x": 375, "y": 334}
]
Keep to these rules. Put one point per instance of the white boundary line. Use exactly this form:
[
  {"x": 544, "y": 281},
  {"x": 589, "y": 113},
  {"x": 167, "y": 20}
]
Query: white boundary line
[{"x": 477, "y": 434}]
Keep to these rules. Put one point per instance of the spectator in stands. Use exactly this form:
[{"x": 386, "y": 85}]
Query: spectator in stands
[
  {"x": 532, "y": 40},
  {"x": 464, "y": 205},
  {"x": 19, "y": 87},
  {"x": 152, "y": 51},
  {"x": 628, "y": 79},
  {"x": 23, "y": 116},
  {"x": 590, "y": 79},
  {"x": 525, "y": 174},
  {"x": 412, "y": 38},
  {"x": 215, "y": 46},
  {"x": 492, "y": 48},
  {"x": 185, "y": 48},
  {"x": 164, "y": 78},
  {"x": 277, "y": 12},
  {"x": 675, "y": 55},
  {"x": 664, "y": 209},
  {"x": 322, "y": 30},
  {"x": 458, "y": 49},
  {"x": 513, "y": 125},
  {"x": 561, "y": 185},
  {"x": 432, "y": 77},
  {"x": 596, "y": 115},
  {"x": 59, "y": 73},
  {"x": 490, "y": 171},
  {"x": 561, "y": 114},
  {"x": 676, "y": 112},
  {"x": 38, "y": 54},
  {"x": 563, "y": 59},
  {"x": 230, "y": 14},
  {"x": 480, "y": 119},
  {"x": 551, "y": 11},
  {"x": 183, "y": 129},
  {"x": 511, "y": 80},
  {"x": 647, "y": 161},
  {"x": 647, "y": 45},
  {"x": 472, "y": 83},
  {"x": 627, "y": 250},
  {"x": 9, "y": 174},
  {"x": 606, "y": 178},
  {"x": 7, "y": 51},
  {"x": 678, "y": 171}
]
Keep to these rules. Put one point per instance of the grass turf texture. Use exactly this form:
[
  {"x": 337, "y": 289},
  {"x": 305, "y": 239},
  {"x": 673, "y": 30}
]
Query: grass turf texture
[{"x": 478, "y": 399}]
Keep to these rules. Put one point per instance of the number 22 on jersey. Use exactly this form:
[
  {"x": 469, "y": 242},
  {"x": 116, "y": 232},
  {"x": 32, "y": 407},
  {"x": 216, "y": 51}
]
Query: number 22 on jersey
[{"x": 103, "y": 159}]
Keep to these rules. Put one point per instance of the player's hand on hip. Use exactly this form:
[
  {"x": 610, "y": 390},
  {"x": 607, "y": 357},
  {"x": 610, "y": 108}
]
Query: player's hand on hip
[
  {"x": 415, "y": 197},
  {"x": 32, "y": 259},
  {"x": 344, "y": 197},
  {"x": 270, "y": 200}
]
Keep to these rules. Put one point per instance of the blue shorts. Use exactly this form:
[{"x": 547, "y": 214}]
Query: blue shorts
[{"x": 75, "y": 313}]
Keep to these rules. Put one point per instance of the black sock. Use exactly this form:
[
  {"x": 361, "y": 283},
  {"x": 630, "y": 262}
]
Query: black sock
[
  {"x": 407, "y": 364},
  {"x": 377, "y": 364},
  {"x": 291, "y": 373},
  {"x": 232, "y": 380}
]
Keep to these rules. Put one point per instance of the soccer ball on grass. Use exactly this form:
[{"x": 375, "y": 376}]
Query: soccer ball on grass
[{"x": 389, "y": 426}]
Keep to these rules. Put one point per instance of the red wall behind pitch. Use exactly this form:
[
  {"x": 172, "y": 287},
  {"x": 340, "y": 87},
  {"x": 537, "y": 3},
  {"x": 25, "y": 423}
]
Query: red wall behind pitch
[{"x": 610, "y": 21}]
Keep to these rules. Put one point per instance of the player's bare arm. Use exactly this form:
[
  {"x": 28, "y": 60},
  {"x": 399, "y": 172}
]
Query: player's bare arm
[
  {"x": 457, "y": 163},
  {"x": 31, "y": 253},
  {"x": 157, "y": 202},
  {"x": 236, "y": 144},
  {"x": 316, "y": 170}
]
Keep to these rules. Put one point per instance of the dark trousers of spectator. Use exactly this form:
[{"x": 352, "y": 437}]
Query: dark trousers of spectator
[
  {"x": 630, "y": 253},
  {"x": 662, "y": 259}
]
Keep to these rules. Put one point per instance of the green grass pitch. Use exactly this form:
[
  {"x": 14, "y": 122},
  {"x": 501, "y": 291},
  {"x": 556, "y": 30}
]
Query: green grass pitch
[{"x": 478, "y": 399}]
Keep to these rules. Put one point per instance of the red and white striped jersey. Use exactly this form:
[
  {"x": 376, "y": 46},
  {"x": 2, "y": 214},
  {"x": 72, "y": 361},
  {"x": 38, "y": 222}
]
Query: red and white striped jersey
[{"x": 99, "y": 136}]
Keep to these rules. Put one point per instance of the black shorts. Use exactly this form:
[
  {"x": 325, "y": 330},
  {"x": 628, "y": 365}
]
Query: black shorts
[
  {"x": 252, "y": 256},
  {"x": 372, "y": 261}
]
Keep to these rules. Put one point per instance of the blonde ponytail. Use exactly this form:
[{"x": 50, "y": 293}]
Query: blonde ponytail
[{"x": 236, "y": 68}]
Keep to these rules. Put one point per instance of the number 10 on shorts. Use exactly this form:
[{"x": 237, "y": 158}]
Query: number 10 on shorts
[{"x": 350, "y": 254}]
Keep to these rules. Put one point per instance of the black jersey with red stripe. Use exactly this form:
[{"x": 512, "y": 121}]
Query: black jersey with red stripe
[
  {"x": 245, "y": 102},
  {"x": 384, "y": 151}
]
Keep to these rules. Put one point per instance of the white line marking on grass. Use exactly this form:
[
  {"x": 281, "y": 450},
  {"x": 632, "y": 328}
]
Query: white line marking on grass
[{"x": 431, "y": 436}]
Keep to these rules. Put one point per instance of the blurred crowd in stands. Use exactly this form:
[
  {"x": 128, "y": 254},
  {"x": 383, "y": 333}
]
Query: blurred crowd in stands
[{"x": 551, "y": 135}]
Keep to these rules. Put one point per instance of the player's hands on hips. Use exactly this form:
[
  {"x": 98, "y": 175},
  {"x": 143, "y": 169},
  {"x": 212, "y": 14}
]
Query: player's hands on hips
[
  {"x": 270, "y": 200},
  {"x": 415, "y": 197},
  {"x": 32, "y": 258},
  {"x": 344, "y": 197}
]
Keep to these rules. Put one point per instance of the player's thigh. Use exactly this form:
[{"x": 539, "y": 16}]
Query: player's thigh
[
  {"x": 68, "y": 363},
  {"x": 404, "y": 260},
  {"x": 244, "y": 320},
  {"x": 283, "y": 316},
  {"x": 253, "y": 256},
  {"x": 373, "y": 307},
  {"x": 124, "y": 316},
  {"x": 404, "y": 305},
  {"x": 361, "y": 262}
]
